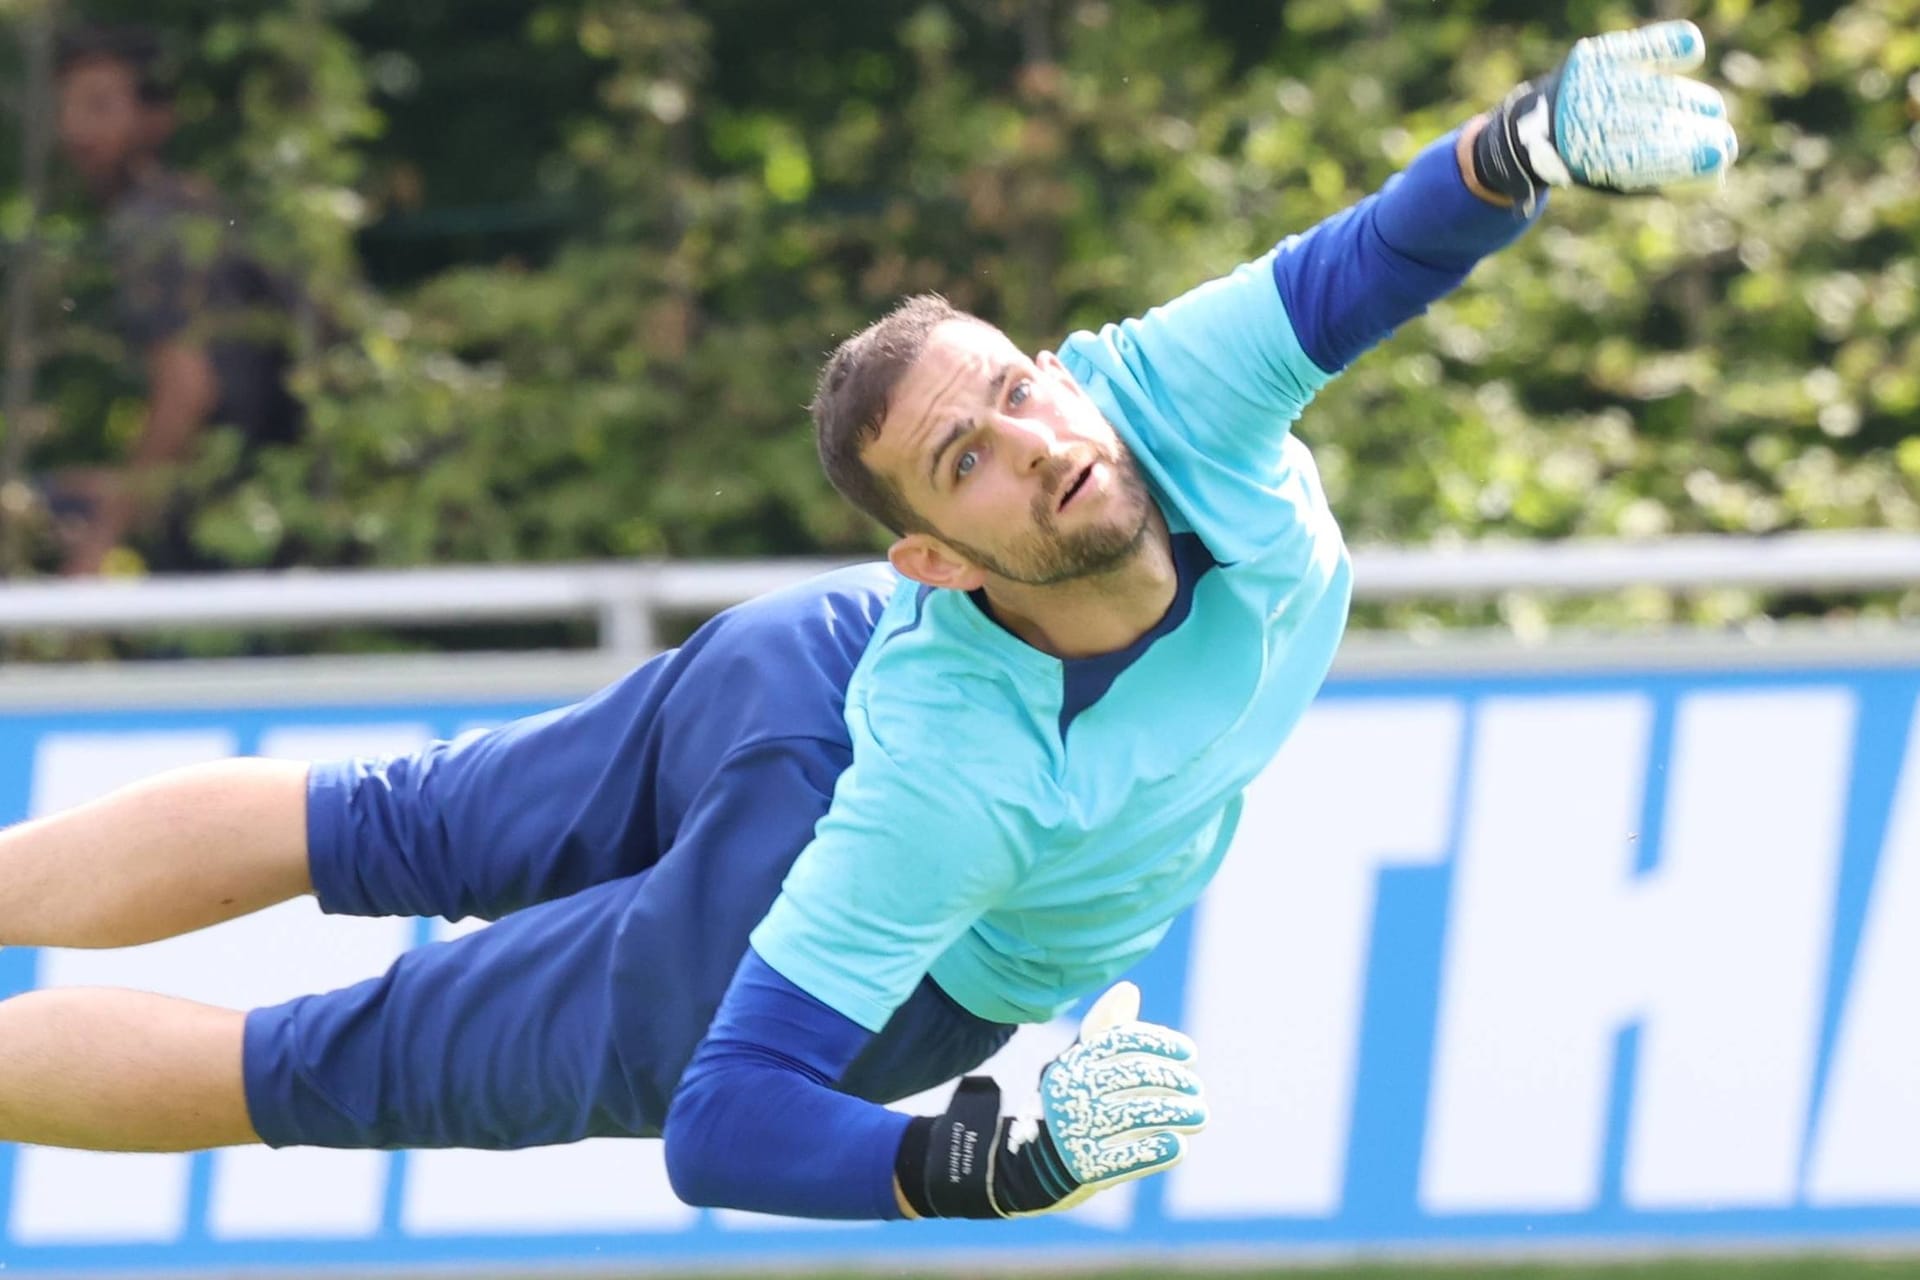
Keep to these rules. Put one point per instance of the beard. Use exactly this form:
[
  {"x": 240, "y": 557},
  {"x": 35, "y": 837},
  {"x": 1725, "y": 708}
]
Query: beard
[{"x": 1046, "y": 557}]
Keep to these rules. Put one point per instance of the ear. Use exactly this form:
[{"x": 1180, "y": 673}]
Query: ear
[
  {"x": 157, "y": 124},
  {"x": 931, "y": 562}
]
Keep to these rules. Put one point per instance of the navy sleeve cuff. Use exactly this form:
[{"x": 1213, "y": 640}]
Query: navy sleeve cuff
[
  {"x": 1429, "y": 214},
  {"x": 756, "y": 1123},
  {"x": 1356, "y": 276},
  {"x": 329, "y": 803}
]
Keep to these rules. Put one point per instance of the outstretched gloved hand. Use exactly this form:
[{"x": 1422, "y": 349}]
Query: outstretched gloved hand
[{"x": 1616, "y": 115}]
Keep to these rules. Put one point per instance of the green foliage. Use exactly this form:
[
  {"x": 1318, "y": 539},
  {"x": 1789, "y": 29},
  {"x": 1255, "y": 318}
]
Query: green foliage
[{"x": 741, "y": 188}]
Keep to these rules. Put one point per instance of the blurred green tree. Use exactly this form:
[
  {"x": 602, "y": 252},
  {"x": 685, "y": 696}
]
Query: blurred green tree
[{"x": 618, "y": 236}]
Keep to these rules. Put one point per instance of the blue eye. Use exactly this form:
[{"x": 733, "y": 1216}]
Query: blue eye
[
  {"x": 966, "y": 462},
  {"x": 1019, "y": 393}
]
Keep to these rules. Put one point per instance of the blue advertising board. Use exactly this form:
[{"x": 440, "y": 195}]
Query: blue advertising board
[{"x": 1620, "y": 956}]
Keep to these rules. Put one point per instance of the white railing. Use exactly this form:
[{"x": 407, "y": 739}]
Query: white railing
[
  {"x": 628, "y": 598},
  {"x": 625, "y": 597}
]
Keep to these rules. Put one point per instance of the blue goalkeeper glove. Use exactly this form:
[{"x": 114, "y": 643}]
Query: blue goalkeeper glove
[
  {"x": 1115, "y": 1107},
  {"x": 1614, "y": 116}
]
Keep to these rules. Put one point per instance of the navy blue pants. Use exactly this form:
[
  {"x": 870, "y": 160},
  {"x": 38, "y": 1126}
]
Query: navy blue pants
[{"x": 626, "y": 846}]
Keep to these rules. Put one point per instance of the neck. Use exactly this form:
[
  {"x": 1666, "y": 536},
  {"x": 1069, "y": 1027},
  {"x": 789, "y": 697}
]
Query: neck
[
  {"x": 135, "y": 171},
  {"x": 1097, "y": 614}
]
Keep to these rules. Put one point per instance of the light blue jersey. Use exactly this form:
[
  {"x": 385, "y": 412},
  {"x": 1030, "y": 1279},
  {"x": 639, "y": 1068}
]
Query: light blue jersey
[{"x": 1026, "y": 828}]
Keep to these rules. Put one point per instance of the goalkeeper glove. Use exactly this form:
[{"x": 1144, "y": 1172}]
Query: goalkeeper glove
[
  {"x": 1114, "y": 1107},
  {"x": 1613, "y": 116}
]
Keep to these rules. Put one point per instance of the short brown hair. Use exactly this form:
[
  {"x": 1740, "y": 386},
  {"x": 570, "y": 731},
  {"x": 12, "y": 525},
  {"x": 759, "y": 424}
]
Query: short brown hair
[
  {"x": 139, "y": 49},
  {"x": 854, "y": 392}
]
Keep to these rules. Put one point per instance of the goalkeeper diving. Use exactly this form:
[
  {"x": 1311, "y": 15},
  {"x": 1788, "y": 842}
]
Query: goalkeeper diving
[{"x": 833, "y": 850}]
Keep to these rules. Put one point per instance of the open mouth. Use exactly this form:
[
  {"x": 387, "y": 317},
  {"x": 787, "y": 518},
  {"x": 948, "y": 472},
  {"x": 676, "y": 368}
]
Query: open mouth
[{"x": 1079, "y": 483}]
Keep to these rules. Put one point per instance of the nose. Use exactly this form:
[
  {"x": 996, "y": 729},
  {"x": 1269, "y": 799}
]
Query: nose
[{"x": 1031, "y": 443}]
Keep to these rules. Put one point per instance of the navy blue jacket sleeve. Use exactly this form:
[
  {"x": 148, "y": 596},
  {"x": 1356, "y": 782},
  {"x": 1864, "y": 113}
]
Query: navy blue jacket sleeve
[
  {"x": 756, "y": 1123},
  {"x": 1353, "y": 278}
]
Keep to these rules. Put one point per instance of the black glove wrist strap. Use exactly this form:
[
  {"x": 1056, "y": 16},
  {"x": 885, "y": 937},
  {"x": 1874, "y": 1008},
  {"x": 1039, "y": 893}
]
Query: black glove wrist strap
[
  {"x": 945, "y": 1162},
  {"x": 1499, "y": 163},
  {"x": 962, "y": 1164}
]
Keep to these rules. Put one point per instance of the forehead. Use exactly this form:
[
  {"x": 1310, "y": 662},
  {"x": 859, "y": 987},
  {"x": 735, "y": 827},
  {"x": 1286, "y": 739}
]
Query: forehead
[
  {"x": 951, "y": 373},
  {"x": 96, "y": 75},
  {"x": 952, "y": 376},
  {"x": 963, "y": 339}
]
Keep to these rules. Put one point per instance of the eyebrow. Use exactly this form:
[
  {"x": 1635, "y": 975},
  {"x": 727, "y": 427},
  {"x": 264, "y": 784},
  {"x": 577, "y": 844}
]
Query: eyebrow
[{"x": 960, "y": 426}]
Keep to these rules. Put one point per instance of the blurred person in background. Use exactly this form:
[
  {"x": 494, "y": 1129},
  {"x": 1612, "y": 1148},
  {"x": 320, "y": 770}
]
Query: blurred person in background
[{"x": 208, "y": 324}]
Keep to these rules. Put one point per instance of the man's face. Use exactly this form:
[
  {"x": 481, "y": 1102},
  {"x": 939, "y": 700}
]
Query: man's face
[
  {"x": 1009, "y": 462},
  {"x": 104, "y": 126}
]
